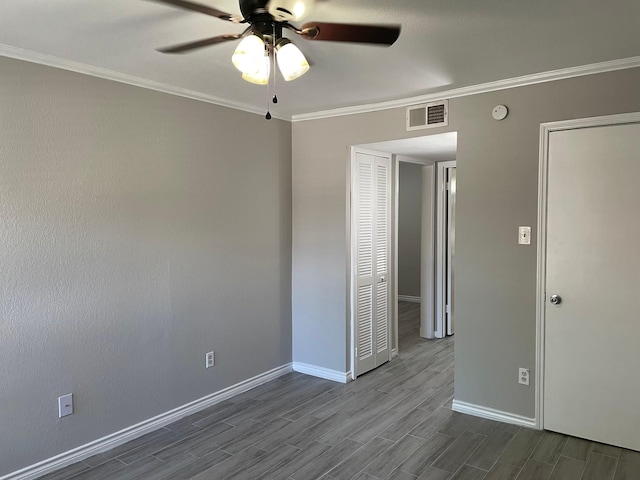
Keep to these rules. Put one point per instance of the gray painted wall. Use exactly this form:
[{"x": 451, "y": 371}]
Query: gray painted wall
[
  {"x": 497, "y": 172},
  {"x": 138, "y": 231},
  {"x": 409, "y": 228}
]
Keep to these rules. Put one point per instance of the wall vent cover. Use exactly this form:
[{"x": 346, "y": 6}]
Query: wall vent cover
[{"x": 428, "y": 115}]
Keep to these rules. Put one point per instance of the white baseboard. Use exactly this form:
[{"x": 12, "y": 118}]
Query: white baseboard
[
  {"x": 135, "y": 431},
  {"x": 408, "y": 298},
  {"x": 321, "y": 372},
  {"x": 492, "y": 414},
  {"x": 394, "y": 353}
]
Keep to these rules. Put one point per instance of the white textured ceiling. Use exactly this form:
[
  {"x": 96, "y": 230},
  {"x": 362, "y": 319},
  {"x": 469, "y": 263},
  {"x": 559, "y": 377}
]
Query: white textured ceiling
[
  {"x": 436, "y": 148},
  {"x": 444, "y": 44}
]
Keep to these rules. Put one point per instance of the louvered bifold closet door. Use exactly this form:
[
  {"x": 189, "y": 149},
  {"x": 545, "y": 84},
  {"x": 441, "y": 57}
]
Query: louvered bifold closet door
[
  {"x": 382, "y": 241},
  {"x": 371, "y": 209}
]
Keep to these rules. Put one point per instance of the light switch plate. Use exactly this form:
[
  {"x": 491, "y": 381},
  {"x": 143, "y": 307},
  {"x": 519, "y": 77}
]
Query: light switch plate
[
  {"x": 524, "y": 235},
  {"x": 210, "y": 360},
  {"x": 65, "y": 405}
]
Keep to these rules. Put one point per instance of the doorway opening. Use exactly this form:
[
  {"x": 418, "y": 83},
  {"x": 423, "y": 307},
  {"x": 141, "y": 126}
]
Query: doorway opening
[{"x": 421, "y": 242}]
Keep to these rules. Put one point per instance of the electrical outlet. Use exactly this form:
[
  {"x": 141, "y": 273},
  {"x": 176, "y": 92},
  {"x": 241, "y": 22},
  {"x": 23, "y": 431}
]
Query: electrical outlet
[
  {"x": 524, "y": 235},
  {"x": 523, "y": 376},
  {"x": 65, "y": 405},
  {"x": 210, "y": 360}
]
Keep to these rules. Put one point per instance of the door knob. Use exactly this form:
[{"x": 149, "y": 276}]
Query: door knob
[{"x": 555, "y": 300}]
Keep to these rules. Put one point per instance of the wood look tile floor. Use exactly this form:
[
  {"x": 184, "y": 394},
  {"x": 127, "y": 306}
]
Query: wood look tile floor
[{"x": 394, "y": 423}]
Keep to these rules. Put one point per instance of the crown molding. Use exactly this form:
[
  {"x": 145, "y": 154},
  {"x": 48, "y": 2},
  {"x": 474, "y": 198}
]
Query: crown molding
[
  {"x": 107, "y": 74},
  {"x": 561, "y": 74}
]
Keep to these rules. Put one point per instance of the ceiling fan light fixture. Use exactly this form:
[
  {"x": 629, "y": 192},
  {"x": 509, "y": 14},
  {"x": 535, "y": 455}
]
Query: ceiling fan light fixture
[
  {"x": 291, "y": 60},
  {"x": 260, "y": 75},
  {"x": 249, "y": 54}
]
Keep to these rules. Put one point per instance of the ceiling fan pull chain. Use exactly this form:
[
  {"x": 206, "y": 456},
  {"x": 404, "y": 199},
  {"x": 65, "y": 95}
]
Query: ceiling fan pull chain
[
  {"x": 268, "y": 115},
  {"x": 275, "y": 96},
  {"x": 273, "y": 68}
]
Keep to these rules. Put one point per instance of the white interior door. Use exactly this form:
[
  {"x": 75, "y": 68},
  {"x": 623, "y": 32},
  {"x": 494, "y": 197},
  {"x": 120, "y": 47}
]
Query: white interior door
[
  {"x": 450, "y": 246},
  {"x": 371, "y": 231},
  {"x": 592, "y": 337},
  {"x": 445, "y": 248}
]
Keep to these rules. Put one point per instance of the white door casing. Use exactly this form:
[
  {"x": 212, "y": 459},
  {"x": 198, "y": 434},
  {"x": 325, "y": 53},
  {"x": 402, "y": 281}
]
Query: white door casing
[
  {"x": 427, "y": 253},
  {"x": 445, "y": 236},
  {"x": 371, "y": 239},
  {"x": 589, "y": 256},
  {"x": 451, "y": 243},
  {"x": 427, "y": 247}
]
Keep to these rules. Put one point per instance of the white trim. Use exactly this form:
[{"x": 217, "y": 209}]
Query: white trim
[
  {"x": 442, "y": 236},
  {"x": 545, "y": 131},
  {"x": 320, "y": 372},
  {"x": 409, "y": 298},
  {"x": 425, "y": 162},
  {"x": 541, "y": 242},
  {"x": 492, "y": 414},
  {"x": 350, "y": 256},
  {"x": 427, "y": 251},
  {"x": 394, "y": 352},
  {"x": 130, "y": 433},
  {"x": 107, "y": 74},
  {"x": 395, "y": 215},
  {"x": 450, "y": 236},
  {"x": 561, "y": 74}
]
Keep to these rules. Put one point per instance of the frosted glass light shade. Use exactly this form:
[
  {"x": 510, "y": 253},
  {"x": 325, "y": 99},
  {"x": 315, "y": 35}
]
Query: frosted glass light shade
[
  {"x": 291, "y": 60},
  {"x": 261, "y": 75},
  {"x": 249, "y": 54}
]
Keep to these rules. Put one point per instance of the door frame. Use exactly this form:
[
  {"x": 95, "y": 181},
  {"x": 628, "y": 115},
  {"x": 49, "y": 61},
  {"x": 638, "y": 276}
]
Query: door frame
[
  {"x": 351, "y": 278},
  {"x": 427, "y": 246},
  {"x": 441, "y": 232},
  {"x": 543, "y": 168}
]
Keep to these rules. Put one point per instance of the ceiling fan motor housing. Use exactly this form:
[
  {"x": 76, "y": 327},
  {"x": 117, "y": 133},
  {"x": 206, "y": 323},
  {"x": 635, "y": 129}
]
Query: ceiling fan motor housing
[
  {"x": 250, "y": 7},
  {"x": 267, "y": 18},
  {"x": 289, "y": 10},
  {"x": 281, "y": 10}
]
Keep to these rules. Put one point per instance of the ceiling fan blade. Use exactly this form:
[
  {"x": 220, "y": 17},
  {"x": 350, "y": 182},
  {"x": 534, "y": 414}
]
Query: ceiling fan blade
[
  {"x": 187, "y": 47},
  {"x": 343, "y": 32},
  {"x": 196, "y": 7}
]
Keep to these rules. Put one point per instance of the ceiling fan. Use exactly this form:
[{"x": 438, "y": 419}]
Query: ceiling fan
[{"x": 263, "y": 39}]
